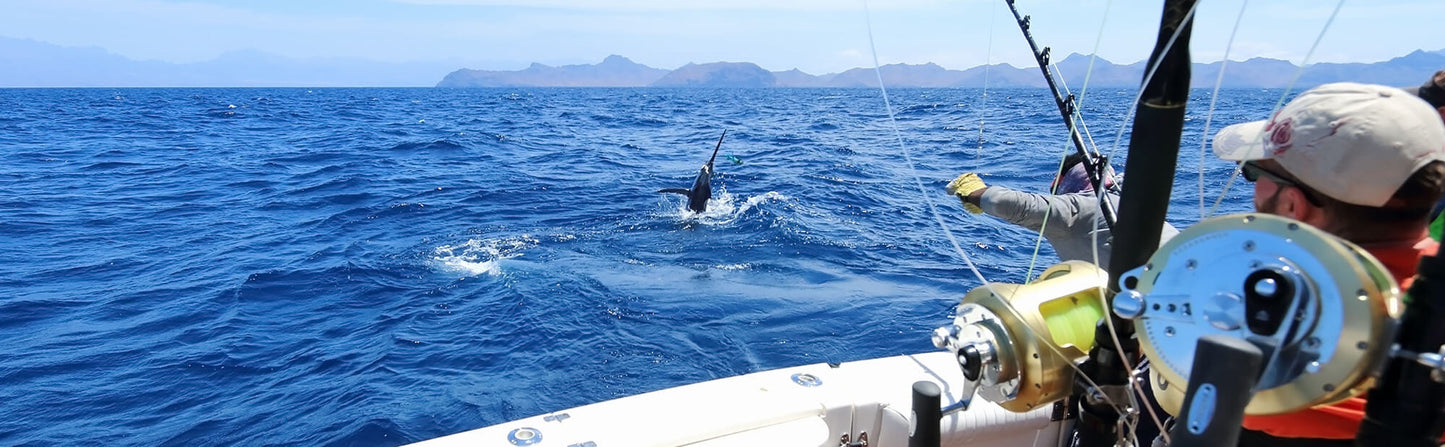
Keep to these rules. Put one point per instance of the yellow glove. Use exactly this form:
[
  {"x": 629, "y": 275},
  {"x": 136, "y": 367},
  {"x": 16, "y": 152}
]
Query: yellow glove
[{"x": 963, "y": 186}]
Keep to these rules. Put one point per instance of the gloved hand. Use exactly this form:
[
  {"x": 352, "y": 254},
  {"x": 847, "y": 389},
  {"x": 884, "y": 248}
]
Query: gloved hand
[{"x": 963, "y": 186}]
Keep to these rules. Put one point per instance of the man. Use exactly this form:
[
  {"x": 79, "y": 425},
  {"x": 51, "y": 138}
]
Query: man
[
  {"x": 1363, "y": 162},
  {"x": 1071, "y": 219},
  {"x": 1433, "y": 92}
]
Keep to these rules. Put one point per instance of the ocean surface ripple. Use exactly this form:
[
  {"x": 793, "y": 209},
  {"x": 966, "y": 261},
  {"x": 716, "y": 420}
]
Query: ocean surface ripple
[{"x": 382, "y": 266}]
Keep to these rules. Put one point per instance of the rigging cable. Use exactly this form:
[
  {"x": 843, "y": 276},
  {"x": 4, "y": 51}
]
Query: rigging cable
[{"x": 918, "y": 181}]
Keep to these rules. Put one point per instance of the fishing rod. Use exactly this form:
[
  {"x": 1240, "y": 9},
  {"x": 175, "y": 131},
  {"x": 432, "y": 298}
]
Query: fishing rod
[
  {"x": 1007, "y": 336},
  {"x": 1282, "y": 338},
  {"x": 1094, "y": 163},
  {"x": 1153, "y": 151}
]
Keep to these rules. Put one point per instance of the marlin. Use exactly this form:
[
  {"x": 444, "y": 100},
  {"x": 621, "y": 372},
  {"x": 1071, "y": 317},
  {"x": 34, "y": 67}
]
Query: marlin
[{"x": 701, "y": 191}]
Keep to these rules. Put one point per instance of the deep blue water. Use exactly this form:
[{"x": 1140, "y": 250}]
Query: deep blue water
[{"x": 382, "y": 266}]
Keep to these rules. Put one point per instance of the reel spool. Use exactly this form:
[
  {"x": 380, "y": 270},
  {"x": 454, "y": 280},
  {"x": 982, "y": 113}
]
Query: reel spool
[
  {"x": 1009, "y": 344},
  {"x": 1324, "y": 310}
]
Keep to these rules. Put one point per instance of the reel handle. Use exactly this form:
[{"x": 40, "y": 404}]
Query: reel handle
[
  {"x": 924, "y": 429},
  {"x": 1220, "y": 386}
]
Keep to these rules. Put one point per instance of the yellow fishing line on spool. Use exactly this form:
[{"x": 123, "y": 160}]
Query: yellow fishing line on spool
[{"x": 1071, "y": 320}]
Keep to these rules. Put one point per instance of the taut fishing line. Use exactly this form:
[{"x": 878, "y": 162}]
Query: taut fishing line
[
  {"x": 918, "y": 181},
  {"x": 1288, "y": 88},
  {"x": 1209, "y": 118}
]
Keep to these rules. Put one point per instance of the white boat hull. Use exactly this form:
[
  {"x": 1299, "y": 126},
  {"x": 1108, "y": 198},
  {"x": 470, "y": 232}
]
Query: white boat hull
[{"x": 810, "y": 405}]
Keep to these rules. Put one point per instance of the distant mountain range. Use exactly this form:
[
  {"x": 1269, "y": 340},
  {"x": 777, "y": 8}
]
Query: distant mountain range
[
  {"x": 617, "y": 71},
  {"x": 29, "y": 63}
]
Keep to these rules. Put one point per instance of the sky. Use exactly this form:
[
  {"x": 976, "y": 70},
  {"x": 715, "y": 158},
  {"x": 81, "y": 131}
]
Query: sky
[{"x": 816, "y": 36}]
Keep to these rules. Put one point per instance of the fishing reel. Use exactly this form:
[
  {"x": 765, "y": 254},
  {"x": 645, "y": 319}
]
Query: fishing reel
[
  {"x": 1016, "y": 343},
  {"x": 1323, "y": 311}
]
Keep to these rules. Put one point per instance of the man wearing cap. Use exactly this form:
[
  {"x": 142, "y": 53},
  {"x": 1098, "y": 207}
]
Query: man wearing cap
[
  {"x": 1363, "y": 162},
  {"x": 1070, "y": 219}
]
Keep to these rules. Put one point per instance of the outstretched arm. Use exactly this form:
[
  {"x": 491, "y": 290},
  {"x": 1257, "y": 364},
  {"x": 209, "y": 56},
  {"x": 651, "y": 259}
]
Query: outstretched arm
[{"x": 1031, "y": 210}]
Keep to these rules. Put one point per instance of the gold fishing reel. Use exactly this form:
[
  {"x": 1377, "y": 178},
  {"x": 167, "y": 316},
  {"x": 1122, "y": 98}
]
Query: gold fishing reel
[
  {"x": 1016, "y": 342},
  {"x": 1323, "y": 310}
]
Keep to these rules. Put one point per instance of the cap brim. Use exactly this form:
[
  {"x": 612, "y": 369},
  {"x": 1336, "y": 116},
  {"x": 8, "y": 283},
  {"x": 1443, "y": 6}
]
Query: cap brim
[{"x": 1241, "y": 142}]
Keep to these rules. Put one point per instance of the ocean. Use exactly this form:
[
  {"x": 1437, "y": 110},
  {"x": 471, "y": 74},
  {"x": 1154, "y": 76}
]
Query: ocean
[{"x": 382, "y": 266}]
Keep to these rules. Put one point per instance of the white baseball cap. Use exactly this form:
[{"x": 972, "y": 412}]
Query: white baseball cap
[{"x": 1357, "y": 143}]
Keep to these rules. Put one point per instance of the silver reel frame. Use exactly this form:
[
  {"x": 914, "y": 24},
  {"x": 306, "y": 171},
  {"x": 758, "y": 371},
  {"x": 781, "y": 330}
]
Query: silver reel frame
[{"x": 1334, "y": 308}]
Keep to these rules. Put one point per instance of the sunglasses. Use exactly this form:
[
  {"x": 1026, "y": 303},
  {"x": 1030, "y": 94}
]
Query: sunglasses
[{"x": 1252, "y": 172}]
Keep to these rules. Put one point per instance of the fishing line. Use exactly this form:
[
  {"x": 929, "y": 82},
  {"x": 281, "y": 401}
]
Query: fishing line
[
  {"x": 1149, "y": 75},
  {"x": 988, "y": 59},
  {"x": 908, "y": 156},
  {"x": 1094, "y": 55},
  {"x": 1077, "y": 120},
  {"x": 1102, "y": 196},
  {"x": 918, "y": 181},
  {"x": 1209, "y": 118},
  {"x": 1094, "y": 235},
  {"x": 1306, "y": 62},
  {"x": 1059, "y": 170},
  {"x": 1078, "y": 116},
  {"x": 1218, "y": 82},
  {"x": 1079, "y": 103},
  {"x": 1288, "y": 88},
  {"x": 1038, "y": 241}
]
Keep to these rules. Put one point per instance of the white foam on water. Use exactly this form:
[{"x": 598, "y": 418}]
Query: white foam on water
[
  {"x": 723, "y": 209},
  {"x": 477, "y": 257}
]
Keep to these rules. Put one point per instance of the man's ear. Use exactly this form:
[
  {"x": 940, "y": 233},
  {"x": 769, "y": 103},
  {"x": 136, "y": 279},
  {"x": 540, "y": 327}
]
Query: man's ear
[{"x": 1295, "y": 205}]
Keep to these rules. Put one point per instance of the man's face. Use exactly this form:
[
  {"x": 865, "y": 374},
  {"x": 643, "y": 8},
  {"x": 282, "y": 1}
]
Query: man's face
[
  {"x": 1266, "y": 196},
  {"x": 1267, "y": 190}
]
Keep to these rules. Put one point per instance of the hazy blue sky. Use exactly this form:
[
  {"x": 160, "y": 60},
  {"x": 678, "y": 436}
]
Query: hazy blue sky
[{"x": 817, "y": 36}]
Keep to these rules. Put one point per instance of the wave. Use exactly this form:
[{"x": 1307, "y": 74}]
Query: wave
[
  {"x": 320, "y": 250},
  {"x": 723, "y": 209},
  {"x": 477, "y": 257},
  {"x": 427, "y": 146},
  {"x": 110, "y": 165}
]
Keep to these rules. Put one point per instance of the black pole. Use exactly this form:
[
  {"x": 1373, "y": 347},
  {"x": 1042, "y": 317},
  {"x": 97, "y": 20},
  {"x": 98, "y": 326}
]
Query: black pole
[
  {"x": 1153, "y": 151},
  {"x": 927, "y": 413},
  {"x": 1094, "y": 164},
  {"x": 1407, "y": 407}
]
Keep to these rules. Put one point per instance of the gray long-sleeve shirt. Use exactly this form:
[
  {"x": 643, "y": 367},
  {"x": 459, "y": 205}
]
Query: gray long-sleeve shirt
[{"x": 1072, "y": 220}]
